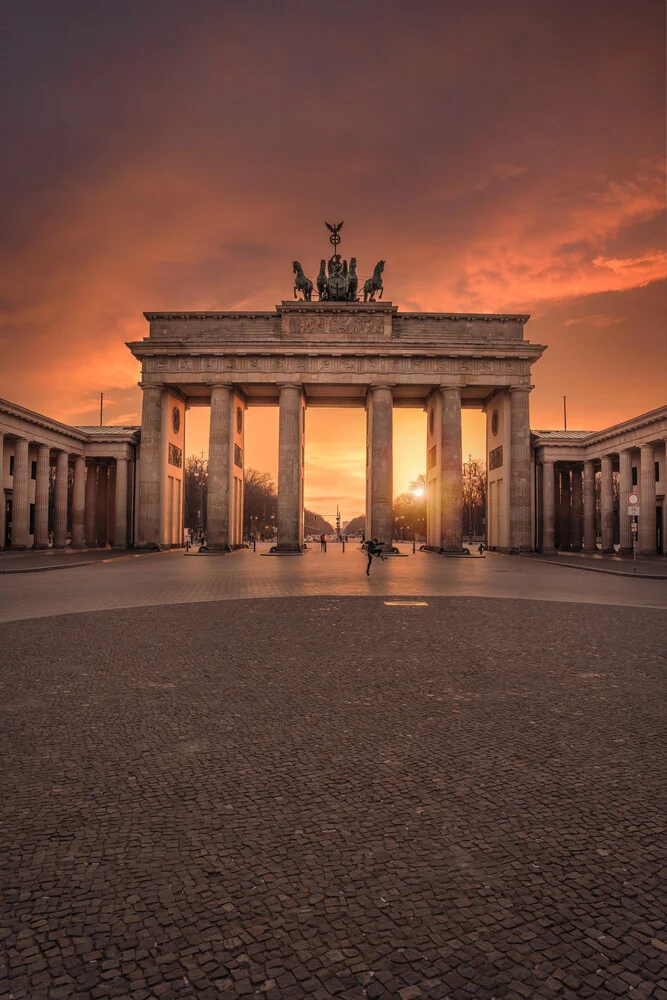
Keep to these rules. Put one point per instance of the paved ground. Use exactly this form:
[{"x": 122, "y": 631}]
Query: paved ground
[
  {"x": 174, "y": 578},
  {"x": 330, "y": 796},
  {"x": 32, "y": 561},
  {"x": 641, "y": 566}
]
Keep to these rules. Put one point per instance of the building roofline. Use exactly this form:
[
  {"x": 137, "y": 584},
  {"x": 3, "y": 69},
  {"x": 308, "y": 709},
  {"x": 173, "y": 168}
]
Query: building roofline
[{"x": 16, "y": 410}]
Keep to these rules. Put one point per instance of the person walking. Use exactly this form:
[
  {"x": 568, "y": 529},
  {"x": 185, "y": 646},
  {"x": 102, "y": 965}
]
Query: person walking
[
  {"x": 323, "y": 542},
  {"x": 373, "y": 548}
]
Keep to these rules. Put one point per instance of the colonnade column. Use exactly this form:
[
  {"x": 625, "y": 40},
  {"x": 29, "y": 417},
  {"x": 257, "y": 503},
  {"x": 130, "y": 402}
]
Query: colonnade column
[
  {"x": 41, "y": 539},
  {"x": 647, "y": 502},
  {"x": 60, "y": 512},
  {"x": 290, "y": 468},
  {"x": 607, "y": 504},
  {"x": 548, "y": 512},
  {"x": 576, "y": 526},
  {"x": 380, "y": 464},
  {"x": 219, "y": 468},
  {"x": 78, "y": 502},
  {"x": 20, "y": 503},
  {"x": 451, "y": 470},
  {"x": 3, "y": 520},
  {"x": 149, "y": 535},
  {"x": 625, "y": 487},
  {"x": 589, "y": 507},
  {"x": 120, "y": 527},
  {"x": 90, "y": 518},
  {"x": 564, "y": 510},
  {"x": 520, "y": 469},
  {"x": 111, "y": 505},
  {"x": 101, "y": 505}
]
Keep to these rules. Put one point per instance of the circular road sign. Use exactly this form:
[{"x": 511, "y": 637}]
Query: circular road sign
[{"x": 633, "y": 499}]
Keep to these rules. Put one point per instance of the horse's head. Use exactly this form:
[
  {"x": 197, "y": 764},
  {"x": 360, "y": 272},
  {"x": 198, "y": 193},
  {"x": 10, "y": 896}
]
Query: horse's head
[
  {"x": 322, "y": 264},
  {"x": 380, "y": 266},
  {"x": 296, "y": 267},
  {"x": 353, "y": 263}
]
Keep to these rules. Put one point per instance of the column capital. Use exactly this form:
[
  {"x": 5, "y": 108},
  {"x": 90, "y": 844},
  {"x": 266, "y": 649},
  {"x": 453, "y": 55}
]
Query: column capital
[
  {"x": 290, "y": 385},
  {"x": 450, "y": 388},
  {"x": 520, "y": 388},
  {"x": 151, "y": 385},
  {"x": 381, "y": 385}
]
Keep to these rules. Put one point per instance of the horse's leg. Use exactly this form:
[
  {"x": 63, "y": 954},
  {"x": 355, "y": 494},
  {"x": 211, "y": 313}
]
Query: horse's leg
[
  {"x": 381, "y": 291},
  {"x": 295, "y": 291}
]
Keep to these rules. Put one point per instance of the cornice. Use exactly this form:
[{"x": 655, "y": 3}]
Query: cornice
[{"x": 14, "y": 410}]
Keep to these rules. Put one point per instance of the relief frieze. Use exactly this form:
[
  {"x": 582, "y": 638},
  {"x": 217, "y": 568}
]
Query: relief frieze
[
  {"x": 328, "y": 364},
  {"x": 356, "y": 325}
]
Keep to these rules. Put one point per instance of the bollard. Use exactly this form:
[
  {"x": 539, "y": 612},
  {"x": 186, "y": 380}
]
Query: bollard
[
  {"x": 414, "y": 544},
  {"x": 343, "y": 541},
  {"x": 254, "y": 545}
]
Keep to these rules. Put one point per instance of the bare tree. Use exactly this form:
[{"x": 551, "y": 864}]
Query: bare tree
[
  {"x": 474, "y": 497},
  {"x": 260, "y": 502}
]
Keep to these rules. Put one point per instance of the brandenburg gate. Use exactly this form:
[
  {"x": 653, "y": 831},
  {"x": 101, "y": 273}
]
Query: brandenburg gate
[{"x": 335, "y": 351}]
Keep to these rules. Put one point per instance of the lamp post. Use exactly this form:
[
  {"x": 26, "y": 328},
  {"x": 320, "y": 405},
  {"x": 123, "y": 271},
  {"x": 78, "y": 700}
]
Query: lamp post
[{"x": 200, "y": 473}]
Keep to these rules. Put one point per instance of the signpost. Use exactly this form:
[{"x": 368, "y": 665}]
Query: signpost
[{"x": 633, "y": 512}]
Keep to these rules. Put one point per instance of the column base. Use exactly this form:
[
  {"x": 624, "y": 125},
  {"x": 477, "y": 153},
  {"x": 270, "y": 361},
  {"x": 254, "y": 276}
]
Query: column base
[
  {"x": 441, "y": 551},
  {"x": 625, "y": 551},
  {"x": 285, "y": 549},
  {"x": 148, "y": 547},
  {"x": 60, "y": 545},
  {"x": 609, "y": 550},
  {"x": 219, "y": 547},
  {"x": 40, "y": 547}
]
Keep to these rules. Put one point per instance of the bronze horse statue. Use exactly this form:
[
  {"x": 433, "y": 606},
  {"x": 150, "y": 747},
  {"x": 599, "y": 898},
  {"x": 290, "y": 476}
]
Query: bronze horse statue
[
  {"x": 301, "y": 282},
  {"x": 352, "y": 281},
  {"x": 374, "y": 284},
  {"x": 322, "y": 286}
]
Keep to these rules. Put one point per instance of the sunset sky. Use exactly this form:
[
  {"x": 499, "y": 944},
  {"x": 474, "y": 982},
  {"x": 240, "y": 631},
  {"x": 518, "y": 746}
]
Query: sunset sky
[{"x": 179, "y": 155}]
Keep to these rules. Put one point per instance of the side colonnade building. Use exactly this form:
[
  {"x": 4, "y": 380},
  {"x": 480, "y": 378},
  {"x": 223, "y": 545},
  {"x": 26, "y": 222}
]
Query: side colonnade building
[
  {"x": 583, "y": 480},
  {"x": 94, "y": 473}
]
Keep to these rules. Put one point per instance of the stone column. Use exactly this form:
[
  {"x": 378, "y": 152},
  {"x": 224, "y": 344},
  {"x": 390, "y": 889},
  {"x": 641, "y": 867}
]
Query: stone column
[
  {"x": 565, "y": 510},
  {"x": 120, "y": 527},
  {"x": 111, "y": 505},
  {"x": 576, "y": 521},
  {"x": 646, "y": 545},
  {"x": 78, "y": 502},
  {"x": 60, "y": 512},
  {"x": 101, "y": 504},
  {"x": 20, "y": 501},
  {"x": 91, "y": 505},
  {"x": 520, "y": 469},
  {"x": 589, "y": 507},
  {"x": 219, "y": 469},
  {"x": 3, "y": 519},
  {"x": 625, "y": 487},
  {"x": 379, "y": 415},
  {"x": 548, "y": 512},
  {"x": 290, "y": 469},
  {"x": 607, "y": 504},
  {"x": 41, "y": 540},
  {"x": 451, "y": 471},
  {"x": 150, "y": 472}
]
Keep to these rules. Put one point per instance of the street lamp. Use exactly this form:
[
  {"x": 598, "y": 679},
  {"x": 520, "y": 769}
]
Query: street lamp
[{"x": 200, "y": 472}]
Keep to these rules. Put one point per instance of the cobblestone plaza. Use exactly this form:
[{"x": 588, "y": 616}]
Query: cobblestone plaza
[{"x": 214, "y": 791}]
